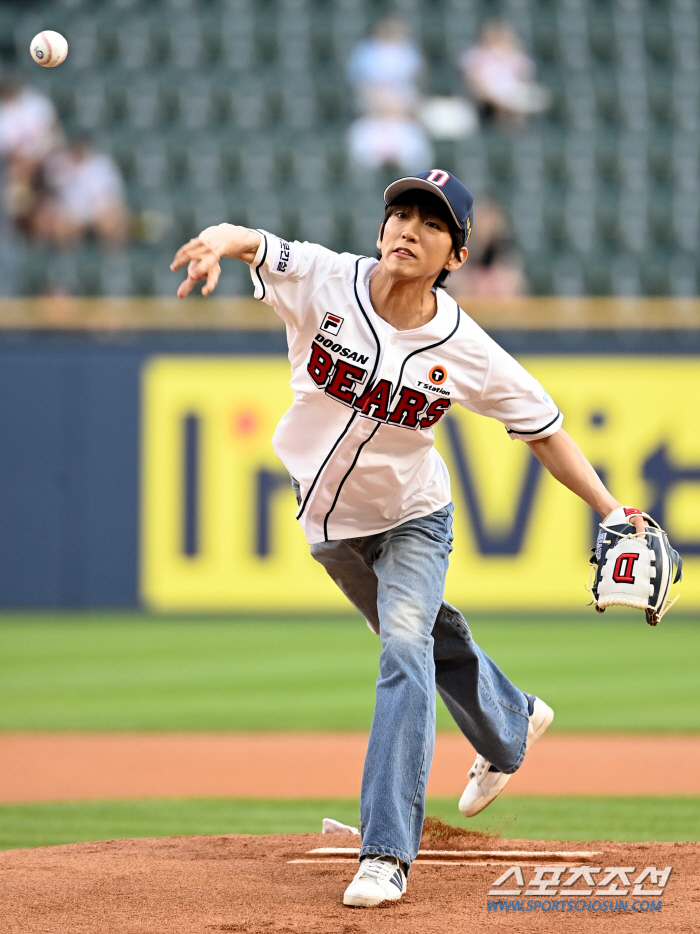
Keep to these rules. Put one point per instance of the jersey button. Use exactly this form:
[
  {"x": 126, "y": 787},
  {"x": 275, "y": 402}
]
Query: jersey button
[
  {"x": 390, "y": 369},
  {"x": 392, "y": 340}
]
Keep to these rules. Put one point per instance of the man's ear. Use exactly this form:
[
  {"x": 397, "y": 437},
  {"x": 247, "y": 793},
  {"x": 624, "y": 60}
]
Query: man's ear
[
  {"x": 380, "y": 236},
  {"x": 456, "y": 260}
]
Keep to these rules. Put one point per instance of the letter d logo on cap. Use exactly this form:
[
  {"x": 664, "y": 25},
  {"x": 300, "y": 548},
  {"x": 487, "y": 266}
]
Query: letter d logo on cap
[{"x": 438, "y": 177}]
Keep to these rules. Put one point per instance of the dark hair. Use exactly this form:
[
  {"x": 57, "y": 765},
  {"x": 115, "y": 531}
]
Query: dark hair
[{"x": 427, "y": 203}]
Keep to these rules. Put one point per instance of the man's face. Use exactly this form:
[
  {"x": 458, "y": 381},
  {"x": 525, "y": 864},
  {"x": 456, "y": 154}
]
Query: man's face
[{"x": 417, "y": 245}]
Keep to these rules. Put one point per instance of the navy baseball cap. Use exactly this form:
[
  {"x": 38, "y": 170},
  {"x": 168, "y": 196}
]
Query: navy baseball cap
[{"x": 438, "y": 182}]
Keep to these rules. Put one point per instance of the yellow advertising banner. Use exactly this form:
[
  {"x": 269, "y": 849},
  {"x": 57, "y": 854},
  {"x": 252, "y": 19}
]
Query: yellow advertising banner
[{"x": 218, "y": 530}]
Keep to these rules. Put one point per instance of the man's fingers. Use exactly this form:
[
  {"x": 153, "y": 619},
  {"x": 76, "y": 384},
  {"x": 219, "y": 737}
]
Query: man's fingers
[
  {"x": 639, "y": 524},
  {"x": 183, "y": 255},
  {"x": 186, "y": 287},
  {"x": 212, "y": 279},
  {"x": 202, "y": 263},
  {"x": 186, "y": 255},
  {"x": 193, "y": 250},
  {"x": 198, "y": 270}
]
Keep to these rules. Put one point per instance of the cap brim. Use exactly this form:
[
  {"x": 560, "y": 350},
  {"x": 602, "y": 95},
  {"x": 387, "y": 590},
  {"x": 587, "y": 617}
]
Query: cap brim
[{"x": 406, "y": 184}]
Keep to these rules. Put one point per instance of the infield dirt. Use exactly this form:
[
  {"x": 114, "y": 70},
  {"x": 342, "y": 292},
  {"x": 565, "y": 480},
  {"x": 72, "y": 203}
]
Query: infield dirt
[
  {"x": 241, "y": 883},
  {"x": 80, "y": 767}
]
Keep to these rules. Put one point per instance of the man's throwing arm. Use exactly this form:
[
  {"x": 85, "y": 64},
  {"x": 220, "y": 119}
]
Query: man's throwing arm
[{"x": 202, "y": 254}]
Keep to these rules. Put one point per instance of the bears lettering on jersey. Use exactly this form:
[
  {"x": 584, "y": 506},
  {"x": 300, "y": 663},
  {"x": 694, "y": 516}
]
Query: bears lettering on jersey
[
  {"x": 319, "y": 365},
  {"x": 435, "y": 412},
  {"x": 375, "y": 401},
  {"x": 342, "y": 381},
  {"x": 411, "y": 403}
]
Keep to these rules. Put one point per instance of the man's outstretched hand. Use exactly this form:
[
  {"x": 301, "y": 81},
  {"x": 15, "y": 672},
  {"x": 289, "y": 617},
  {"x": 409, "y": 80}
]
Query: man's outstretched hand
[
  {"x": 202, "y": 263},
  {"x": 202, "y": 255}
]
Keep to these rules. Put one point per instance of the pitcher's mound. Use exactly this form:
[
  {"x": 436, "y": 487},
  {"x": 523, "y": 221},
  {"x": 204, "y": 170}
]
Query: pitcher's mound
[{"x": 204, "y": 885}]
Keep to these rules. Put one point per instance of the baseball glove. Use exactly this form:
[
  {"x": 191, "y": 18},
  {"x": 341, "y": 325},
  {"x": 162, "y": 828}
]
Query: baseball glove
[{"x": 630, "y": 570}]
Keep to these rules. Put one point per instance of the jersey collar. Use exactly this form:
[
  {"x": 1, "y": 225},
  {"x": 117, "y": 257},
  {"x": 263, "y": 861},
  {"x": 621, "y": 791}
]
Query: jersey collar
[{"x": 437, "y": 328}]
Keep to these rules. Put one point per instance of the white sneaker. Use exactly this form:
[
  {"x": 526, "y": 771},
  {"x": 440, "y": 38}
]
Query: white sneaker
[
  {"x": 485, "y": 782},
  {"x": 379, "y": 879}
]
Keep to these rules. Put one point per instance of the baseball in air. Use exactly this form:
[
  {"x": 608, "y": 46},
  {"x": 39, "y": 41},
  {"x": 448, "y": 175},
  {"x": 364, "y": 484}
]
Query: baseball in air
[{"x": 49, "y": 48}]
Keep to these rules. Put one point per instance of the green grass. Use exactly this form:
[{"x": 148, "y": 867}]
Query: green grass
[
  {"x": 137, "y": 672},
  {"x": 546, "y": 818}
]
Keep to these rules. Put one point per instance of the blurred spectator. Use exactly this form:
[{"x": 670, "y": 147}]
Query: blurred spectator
[
  {"x": 29, "y": 131},
  {"x": 494, "y": 267},
  {"x": 28, "y": 124},
  {"x": 86, "y": 195},
  {"x": 389, "y": 137},
  {"x": 500, "y": 76},
  {"x": 388, "y": 62}
]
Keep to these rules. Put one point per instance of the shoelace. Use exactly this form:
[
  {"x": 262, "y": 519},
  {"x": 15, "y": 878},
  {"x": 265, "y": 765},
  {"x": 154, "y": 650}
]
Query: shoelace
[
  {"x": 377, "y": 868},
  {"x": 479, "y": 769}
]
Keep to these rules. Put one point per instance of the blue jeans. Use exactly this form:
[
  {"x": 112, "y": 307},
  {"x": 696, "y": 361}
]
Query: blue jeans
[{"x": 396, "y": 579}]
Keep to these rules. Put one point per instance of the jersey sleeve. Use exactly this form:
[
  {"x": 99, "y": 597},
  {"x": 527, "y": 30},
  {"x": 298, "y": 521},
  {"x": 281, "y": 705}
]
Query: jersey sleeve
[
  {"x": 514, "y": 397},
  {"x": 286, "y": 275}
]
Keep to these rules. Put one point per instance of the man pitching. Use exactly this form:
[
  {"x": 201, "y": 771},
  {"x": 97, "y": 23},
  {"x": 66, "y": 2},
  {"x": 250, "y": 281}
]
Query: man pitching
[{"x": 379, "y": 353}]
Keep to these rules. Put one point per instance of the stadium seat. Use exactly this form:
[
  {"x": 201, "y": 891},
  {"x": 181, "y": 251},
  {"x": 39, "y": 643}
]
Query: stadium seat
[
  {"x": 248, "y": 104},
  {"x": 91, "y": 104},
  {"x": 298, "y": 102},
  {"x": 151, "y": 164},
  {"x": 195, "y": 104},
  {"x": 236, "y": 109},
  {"x": 258, "y": 166},
  {"x": 315, "y": 220},
  {"x": 135, "y": 43},
  {"x": 144, "y": 108},
  {"x": 115, "y": 273},
  {"x": 205, "y": 167}
]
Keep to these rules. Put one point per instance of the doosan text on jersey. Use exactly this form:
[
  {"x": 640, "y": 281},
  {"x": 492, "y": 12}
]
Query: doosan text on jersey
[{"x": 359, "y": 434}]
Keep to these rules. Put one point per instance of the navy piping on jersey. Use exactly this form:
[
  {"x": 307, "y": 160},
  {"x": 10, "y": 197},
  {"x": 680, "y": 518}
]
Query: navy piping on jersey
[
  {"x": 340, "y": 485},
  {"x": 320, "y": 469},
  {"x": 428, "y": 347},
  {"x": 354, "y": 415},
  {"x": 534, "y": 431},
  {"x": 257, "y": 268},
  {"x": 366, "y": 441},
  {"x": 369, "y": 323}
]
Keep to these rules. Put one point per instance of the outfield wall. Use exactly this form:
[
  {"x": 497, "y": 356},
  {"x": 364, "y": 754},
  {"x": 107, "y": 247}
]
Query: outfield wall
[{"x": 135, "y": 468}]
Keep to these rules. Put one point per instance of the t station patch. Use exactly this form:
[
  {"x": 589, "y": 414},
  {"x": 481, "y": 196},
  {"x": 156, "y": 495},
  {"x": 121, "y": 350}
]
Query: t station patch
[
  {"x": 332, "y": 323},
  {"x": 437, "y": 375}
]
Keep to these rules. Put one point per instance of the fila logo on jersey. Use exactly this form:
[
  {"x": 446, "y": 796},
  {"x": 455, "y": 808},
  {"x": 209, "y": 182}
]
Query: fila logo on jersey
[
  {"x": 332, "y": 323},
  {"x": 342, "y": 381},
  {"x": 624, "y": 568}
]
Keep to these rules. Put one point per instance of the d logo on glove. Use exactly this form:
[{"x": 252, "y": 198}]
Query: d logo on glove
[{"x": 625, "y": 576}]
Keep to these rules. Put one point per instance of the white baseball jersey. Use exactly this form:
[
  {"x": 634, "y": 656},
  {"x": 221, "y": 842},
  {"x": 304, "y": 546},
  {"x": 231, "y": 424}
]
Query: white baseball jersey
[{"x": 359, "y": 434}]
